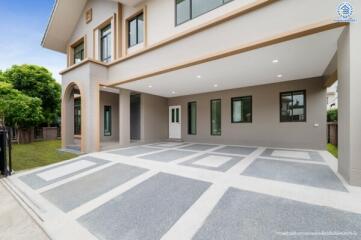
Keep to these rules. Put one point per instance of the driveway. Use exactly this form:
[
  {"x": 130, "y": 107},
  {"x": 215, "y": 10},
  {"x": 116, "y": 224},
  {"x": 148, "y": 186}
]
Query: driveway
[{"x": 193, "y": 191}]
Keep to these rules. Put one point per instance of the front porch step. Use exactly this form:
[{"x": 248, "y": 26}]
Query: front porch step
[{"x": 174, "y": 140}]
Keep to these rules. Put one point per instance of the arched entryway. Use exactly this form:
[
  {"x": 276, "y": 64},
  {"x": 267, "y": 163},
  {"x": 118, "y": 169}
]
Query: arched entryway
[{"x": 72, "y": 118}]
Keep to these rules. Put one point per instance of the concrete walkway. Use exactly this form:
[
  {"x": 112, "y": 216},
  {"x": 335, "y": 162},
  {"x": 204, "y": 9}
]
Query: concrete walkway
[{"x": 15, "y": 222}]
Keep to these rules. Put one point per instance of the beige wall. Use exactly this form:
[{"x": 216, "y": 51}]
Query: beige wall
[
  {"x": 109, "y": 99},
  {"x": 154, "y": 118},
  {"x": 266, "y": 128},
  {"x": 349, "y": 72}
]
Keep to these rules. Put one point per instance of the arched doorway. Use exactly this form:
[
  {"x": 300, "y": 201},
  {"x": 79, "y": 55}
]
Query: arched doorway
[{"x": 72, "y": 118}]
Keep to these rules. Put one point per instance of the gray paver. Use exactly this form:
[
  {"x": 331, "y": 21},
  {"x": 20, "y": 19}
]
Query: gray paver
[
  {"x": 147, "y": 211},
  {"x": 293, "y": 172},
  {"x": 236, "y": 150},
  {"x": 36, "y": 182},
  {"x": 167, "y": 156},
  {"x": 249, "y": 215},
  {"x": 75, "y": 193},
  {"x": 224, "y": 167},
  {"x": 134, "y": 151},
  {"x": 199, "y": 147},
  {"x": 314, "y": 156}
]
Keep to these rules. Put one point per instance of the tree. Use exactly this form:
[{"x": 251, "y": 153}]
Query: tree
[
  {"x": 19, "y": 110},
  {"x": 37, "y": 82},
  {"x": 332, "y": 115}
]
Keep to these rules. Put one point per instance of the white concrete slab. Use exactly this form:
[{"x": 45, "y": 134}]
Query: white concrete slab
[
  {"x": 212, "y": 161},
  {"x": 65, "y": 170},
  {"x": 290, "y": 154}
]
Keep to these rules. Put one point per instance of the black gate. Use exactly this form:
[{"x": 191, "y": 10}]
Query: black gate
[{"x": 5, "y": 151}]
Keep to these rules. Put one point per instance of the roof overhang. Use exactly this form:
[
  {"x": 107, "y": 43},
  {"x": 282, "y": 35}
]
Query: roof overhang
[
  {"x": 62, "y": 23},
  {"x": 299, "y": 58},
  {"x": 63, "y": 20}
]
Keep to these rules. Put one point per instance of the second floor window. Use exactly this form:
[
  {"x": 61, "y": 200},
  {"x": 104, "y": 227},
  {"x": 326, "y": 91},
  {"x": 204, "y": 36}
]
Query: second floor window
[
  {"x": 78, "y": 53},
  {"x": 106, "y": 44},
  {"x": 189, "y": 9},
  {"x": 136, "y": 30}
]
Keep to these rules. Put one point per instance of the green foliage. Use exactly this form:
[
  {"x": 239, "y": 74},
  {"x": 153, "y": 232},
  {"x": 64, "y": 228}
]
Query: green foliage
[
  {"x": 37, "y": 82},
  {"x": 333, "y": 150},
  {"x": 332, "y": 115},
  {"x": 19, "y": 109}
]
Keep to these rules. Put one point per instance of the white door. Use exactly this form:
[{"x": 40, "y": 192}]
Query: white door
[{"x": 175, "y": 122}]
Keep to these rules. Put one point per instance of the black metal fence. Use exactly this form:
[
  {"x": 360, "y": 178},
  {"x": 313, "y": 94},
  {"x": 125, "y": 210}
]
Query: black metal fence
[{"x": 5, "y": 151}]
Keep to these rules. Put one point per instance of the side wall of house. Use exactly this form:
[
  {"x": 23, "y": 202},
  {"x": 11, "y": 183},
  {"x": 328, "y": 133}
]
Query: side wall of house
[
  {"x": 154, "y": 118},
  {"x": 266, "y": 128}
]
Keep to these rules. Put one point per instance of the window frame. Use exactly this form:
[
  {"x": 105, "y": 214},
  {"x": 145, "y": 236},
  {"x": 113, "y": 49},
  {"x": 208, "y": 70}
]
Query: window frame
[
  {"x": 129, "y": 20},
  {"x": 232, "y": 108},
  {"x": 220, "y": 124},
  {"x": 82, "y": 52},
  {"x": 101, "y": 38},
  {"x": 189, "y": 118},
  {"x": 77, "y": 117},
  {"x": 304, "y": 103},
  {"x": 108, "y": 134},
  {"x": 190, "y": 12}
]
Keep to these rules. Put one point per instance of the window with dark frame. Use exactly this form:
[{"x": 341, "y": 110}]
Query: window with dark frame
[
  {"x": 216, "y": 118},
  {"x": 189, "y": 9},
  {"x": 136, "y": 30},
  {"x": 77, "y": 116},
  {"x": 293, "y": 106},
  {"x": 107, "y": 120},
  {"x": 192, "y": 118},
  {"x": 241, "y": 109},
  {"x": 78, "y": 52},
  {"x": 106, "y": 44}
]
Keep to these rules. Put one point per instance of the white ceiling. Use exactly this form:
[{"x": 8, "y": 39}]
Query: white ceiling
[{"x": 301, "y": 58}]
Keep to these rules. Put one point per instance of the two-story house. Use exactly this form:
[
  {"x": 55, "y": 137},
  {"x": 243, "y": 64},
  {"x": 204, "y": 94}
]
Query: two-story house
[{"x": 242, "y": 72}]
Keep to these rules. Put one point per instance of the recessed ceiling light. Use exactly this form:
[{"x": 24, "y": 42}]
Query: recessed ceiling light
[
  {"x": 215, "y": 85},
  {"x": 173, "y": 92},
  {"x": 279, "y": 75},
  {"x": 275, "y": 61},
  {"x": 150, "y": 86},
  {"x": 199, "y": 76}
]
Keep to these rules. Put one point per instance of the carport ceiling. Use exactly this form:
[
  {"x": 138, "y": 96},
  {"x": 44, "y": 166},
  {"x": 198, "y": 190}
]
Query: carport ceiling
[{"x": 301, "y": 58}]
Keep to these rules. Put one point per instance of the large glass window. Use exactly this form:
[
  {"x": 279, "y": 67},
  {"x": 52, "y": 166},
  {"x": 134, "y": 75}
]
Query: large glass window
[
  {"x": 107, "y": 120},
  {"x": 216, "y": 117},
  {"x": 241, "y": 109},
  {"x": 106, "y": 44},
  {"x": 293, "y": 106},
  {"x": 189, "y": 9},
  {"x": 77, "y": 116},
  {"x": 78, "y": 53},
  {"x": 192, "y": 118},
  {"x": 136, "y": 30}
]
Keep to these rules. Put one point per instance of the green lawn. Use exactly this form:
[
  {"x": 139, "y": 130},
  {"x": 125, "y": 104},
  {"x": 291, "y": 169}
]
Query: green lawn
[
  {"x": 37, "y": 154},
  {"x": 333, "y": 150}
]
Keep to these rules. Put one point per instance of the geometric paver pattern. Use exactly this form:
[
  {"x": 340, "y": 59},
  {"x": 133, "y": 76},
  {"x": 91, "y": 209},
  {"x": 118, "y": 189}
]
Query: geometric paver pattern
[{"x": 193, "y": 191}]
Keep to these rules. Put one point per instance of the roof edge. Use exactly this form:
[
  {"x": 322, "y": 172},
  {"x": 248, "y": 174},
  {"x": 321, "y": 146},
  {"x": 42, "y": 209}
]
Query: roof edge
[{"x": 51, "y": 17}]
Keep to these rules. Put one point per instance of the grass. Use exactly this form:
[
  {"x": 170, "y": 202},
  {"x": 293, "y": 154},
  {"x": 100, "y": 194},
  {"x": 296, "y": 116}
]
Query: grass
[
  {"x": 37, "y": 154},
  {"x": 333, "y": 150}
]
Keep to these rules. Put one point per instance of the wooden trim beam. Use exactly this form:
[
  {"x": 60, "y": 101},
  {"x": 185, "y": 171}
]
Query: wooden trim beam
[
  {"x": 331, "y": 79},
  {"x": 279, "y": 38}
]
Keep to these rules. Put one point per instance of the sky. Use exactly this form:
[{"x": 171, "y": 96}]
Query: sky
[{"x": 22, "y": 26}]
